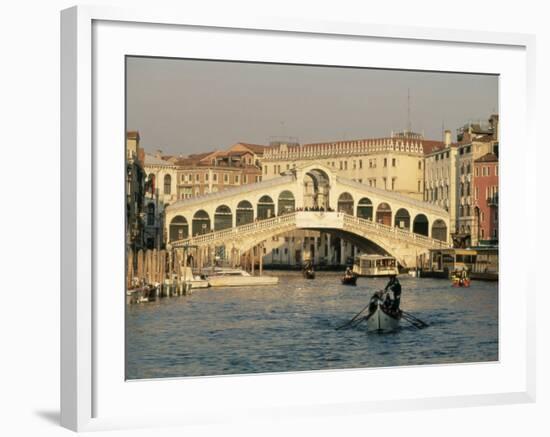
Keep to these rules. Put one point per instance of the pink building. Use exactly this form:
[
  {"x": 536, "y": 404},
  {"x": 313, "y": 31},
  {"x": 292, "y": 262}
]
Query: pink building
[{"x": 486, "y": 197}]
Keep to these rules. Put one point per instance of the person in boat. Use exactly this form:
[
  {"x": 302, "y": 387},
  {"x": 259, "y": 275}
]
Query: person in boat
[
  {"x": 348, "y": 273},
  {"x": 395, "y": 287},
  {"x": 373, "y": 303}
]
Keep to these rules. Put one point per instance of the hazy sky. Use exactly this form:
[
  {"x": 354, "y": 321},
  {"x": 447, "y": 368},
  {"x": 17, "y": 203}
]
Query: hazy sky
[{"x": 188, "y": 106}]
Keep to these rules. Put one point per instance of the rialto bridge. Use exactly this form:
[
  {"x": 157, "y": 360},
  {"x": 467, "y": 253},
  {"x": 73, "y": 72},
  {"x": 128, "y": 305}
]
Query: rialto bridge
[{"x": 309, "y": 198}]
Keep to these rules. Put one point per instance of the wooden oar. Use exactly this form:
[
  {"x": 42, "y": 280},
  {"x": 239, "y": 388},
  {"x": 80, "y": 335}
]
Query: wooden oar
[
  {"x": 353, "y": 319},
  {"x": 413, "y": 320},
  {"x": 362, "y": 319}
]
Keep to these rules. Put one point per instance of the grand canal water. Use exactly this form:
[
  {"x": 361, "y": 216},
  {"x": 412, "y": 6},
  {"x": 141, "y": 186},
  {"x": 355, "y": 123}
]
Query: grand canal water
[{"x": 291, "y": 327}]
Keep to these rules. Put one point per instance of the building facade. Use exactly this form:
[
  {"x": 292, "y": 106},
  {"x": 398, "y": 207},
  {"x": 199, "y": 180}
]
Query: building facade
[
  {"x": 160, "y": 191},
  {"x": 486, "y": 198},
  {"x": 394, "y": 163},
  {"x": 474, "y": 141},
  {"x": 135, "y": 192},
  {"x": 167, "y": 179},
  {"x": 450, "y": 177},
  {"x": 440, "y": 176},
  {"x": 212, "y": 172}
]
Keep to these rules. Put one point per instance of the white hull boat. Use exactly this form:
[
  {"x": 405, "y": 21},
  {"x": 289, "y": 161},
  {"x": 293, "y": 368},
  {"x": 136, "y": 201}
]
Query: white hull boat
[
  {"x": 380, "y": 320},
  {"x": 224, "y": 277}
]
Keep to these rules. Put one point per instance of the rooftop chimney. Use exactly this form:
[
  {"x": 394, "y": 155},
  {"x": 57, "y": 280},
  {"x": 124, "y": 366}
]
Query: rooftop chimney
[{"x": 448, "y": 138}]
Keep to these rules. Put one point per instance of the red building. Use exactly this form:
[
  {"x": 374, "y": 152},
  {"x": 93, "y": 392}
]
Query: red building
[{"x": 486, "y": 197}]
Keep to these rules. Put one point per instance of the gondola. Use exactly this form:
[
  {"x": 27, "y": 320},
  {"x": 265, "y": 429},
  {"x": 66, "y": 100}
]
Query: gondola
[
  {"x": 382, "y": 319},
  {"x": 349, "y": 280},
  {"x": 309, "y": 274}
]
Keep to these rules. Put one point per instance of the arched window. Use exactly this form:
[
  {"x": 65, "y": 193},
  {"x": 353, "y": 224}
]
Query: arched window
[
  {"x": 179, "y": 228},
  {"x": 403, "y": 219},
  {"x": 245, "y": 213},
  {"x": 150, "y": 184},
  {"x": 201, "y": 222},
  {"x": 364, "y": 208},
  {"x": 151, "y": 214},
  {"x": 286, "y": 202},
  {"x": 383, "y": 214},
  {"x": 439, "y": 230},
  {"x": 266, "y": 208},
  {"x": 167, "y": 184},
  {"x": 421, "y": 225},
  {"x": 223, "y": 218},
  {"x": 345, "y": 203}
]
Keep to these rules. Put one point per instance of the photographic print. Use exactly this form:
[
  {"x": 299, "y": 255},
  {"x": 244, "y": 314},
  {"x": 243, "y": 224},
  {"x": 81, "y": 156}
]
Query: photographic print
[{"x": 284, "y": 217}]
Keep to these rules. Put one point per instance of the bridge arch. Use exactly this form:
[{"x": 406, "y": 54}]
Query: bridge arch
[
  {"x": 439, "y": 230},
  {"x": 316, "y": 186},
  {"x": 286, "y": 202},
  {"x": 179, "y": 228},
  {"x": 367, "y": 243},
  {"x": 223, "y": 218},
  {"x": 421, "y": 225},
  {"x": 244, "y": 213},
  {"x": 365, "y": 208},
  {"x": 383, "y": 214},
  {"x": 266, "y": 208},
  {"x": 402, "y": 219},
  {"x": 201, "y": 223},
  {"x": 345, "y": 203}
]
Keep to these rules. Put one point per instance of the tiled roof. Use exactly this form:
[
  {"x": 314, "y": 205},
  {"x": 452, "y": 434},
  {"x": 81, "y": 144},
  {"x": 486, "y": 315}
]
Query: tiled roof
[
  {"x": 153, "y": 160},
  {"x": 489, "y": 157},
  {"x": 256, "y": 148}
]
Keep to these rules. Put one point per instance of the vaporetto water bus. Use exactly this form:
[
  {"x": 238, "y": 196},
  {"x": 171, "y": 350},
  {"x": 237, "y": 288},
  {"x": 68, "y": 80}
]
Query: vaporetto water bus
[{"x": 375, "y": 265}]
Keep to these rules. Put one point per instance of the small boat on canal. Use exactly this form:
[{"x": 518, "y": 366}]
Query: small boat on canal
[
  {"x": 226, "y": 277},
  {"x": 308, "y": 271},
  {"x": 349, "y": 279},
  {"x": 373, "y": 265},
  {"x": 460, "y": 278}
]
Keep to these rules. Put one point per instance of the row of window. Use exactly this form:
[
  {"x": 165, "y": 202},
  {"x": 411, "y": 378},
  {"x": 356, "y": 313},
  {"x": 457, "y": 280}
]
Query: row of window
[
  {"x": 437, "y": 193},
  {"x": 226, "y": 177},
  {"x": 485, "y": 171}
]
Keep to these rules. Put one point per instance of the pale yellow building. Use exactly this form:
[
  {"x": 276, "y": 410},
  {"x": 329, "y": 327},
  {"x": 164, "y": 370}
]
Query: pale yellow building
[
  {"x": 440, "y": 178},
  {"x": 394, "y": 163}
]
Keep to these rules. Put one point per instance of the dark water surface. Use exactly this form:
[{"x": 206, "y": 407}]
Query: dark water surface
[{"x": 291, "y": 327}]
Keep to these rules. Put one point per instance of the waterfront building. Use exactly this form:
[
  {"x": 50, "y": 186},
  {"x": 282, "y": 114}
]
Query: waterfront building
[
  {"x": 474, "y": 141},
  {"x": 393, "y": 163},
  {"x": 440, "y": 177},
  {"x": 160, "y": 191},
  {"x": 169, "y": 178},
  {"x": 486, "y": 198},
  {"x": 216, "y": 171},
  {"x": 135, "y": 184},
  {"x": 450, "y": 177}
]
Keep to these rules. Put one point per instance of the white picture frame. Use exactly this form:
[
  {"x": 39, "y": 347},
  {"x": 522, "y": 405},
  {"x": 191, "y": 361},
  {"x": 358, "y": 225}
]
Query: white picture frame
[{"x": 91, "y": 389}]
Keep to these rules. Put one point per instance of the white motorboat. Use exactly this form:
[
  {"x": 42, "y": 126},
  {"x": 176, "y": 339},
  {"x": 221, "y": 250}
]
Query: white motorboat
[
  {"x": 382, "y": 319},
  {"x": 224, "y": 277}
]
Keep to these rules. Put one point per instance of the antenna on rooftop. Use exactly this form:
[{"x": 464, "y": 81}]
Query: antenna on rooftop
[{"x": 409, "y": 109}]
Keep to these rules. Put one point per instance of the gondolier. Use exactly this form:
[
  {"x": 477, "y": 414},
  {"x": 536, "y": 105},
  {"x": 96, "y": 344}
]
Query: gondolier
[{"x": 395, "y": 287}]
